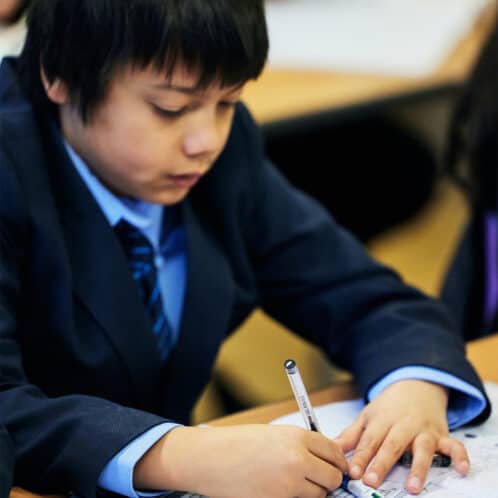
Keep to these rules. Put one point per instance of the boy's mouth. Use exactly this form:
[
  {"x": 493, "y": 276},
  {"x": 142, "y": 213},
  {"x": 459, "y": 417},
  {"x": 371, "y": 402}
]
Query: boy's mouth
[{"x": 185, "y": 181}]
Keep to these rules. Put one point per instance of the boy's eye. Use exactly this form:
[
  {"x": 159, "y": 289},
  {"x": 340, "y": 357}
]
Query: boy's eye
[
  {"x": 168, "y": 113},
  {"x": 176, "y": 113}
]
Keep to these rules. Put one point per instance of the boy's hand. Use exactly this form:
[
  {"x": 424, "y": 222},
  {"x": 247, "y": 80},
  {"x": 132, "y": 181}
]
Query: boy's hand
[
  {"x": 409, "y": 414},
  {"x": 243, "y": 461}
]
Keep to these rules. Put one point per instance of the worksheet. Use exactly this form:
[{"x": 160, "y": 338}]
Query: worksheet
[{"x": 481, "y": 443}]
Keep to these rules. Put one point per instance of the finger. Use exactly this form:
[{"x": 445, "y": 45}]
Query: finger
[
  {"x": 389, "y": 452},
  {"x": 456, "y": 450},
  {"x": 323, "y": 473},
  {"x": 309, "y": 489},
  {"x": 348, "y": 439},
  {"x": 423, "y": 449},
  {"x": 326, "y": 449},
  {"x": 367, "y": 447}
]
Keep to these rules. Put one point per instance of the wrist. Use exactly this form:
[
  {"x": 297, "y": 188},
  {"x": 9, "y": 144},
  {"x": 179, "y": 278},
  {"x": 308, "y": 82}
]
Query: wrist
[
  {"x": 421, "y": 389},
  {"x": 164, "y": 465}
]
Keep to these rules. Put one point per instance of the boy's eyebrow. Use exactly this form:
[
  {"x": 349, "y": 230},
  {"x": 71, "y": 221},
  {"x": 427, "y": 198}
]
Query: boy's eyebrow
[
  {"x": 190, "y": 90},
  {"x": 177, "y": 88}
]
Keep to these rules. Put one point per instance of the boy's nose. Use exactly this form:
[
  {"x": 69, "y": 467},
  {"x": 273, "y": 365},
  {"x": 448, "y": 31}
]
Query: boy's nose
[{"x": 202, "y": 141}]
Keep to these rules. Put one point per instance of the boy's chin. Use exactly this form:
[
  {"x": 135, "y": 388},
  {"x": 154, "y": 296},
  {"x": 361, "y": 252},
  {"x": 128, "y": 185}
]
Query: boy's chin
[{"x": 166, "y": 198}]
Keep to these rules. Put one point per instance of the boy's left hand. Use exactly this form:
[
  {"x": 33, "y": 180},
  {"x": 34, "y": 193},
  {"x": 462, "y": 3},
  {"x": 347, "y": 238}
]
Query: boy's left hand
[{"x": 409, "y": 414}]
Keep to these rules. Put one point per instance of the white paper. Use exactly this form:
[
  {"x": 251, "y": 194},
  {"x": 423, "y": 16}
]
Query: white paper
[
  {"x": 481, "y": 443},
  {"x": 396, "y": 37}
]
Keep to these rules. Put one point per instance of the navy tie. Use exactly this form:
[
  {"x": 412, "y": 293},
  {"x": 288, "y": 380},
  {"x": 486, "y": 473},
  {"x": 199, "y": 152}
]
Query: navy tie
[{"x": 140, "y": 256}]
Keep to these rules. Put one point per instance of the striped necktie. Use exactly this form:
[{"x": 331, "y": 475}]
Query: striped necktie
[{"x": 140, "y": 256}]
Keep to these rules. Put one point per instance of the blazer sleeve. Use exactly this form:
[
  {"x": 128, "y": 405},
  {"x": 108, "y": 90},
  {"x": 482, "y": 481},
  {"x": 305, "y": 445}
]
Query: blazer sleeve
[
  {"x": 62, "y": 444},
  {"x": 314, "y": 277}
]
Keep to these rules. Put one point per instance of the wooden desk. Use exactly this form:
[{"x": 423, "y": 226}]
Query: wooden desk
[
  {"x": 284, "y": 94},
  {"x": 483, "y": 354}
]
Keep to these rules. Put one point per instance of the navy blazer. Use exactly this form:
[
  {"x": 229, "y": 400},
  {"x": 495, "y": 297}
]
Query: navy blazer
[
  {"x": 6, "y": 463},
  {"x": 79, "y": 372}
]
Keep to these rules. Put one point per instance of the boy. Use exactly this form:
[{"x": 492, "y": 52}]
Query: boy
[{"x": 139, "y": 224}]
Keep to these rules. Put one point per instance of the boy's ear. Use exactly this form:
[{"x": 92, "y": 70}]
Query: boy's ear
[{"x": 56, "y": 90}]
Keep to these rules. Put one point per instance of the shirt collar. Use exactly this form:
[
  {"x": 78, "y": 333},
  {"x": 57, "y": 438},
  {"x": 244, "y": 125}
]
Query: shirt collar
[{"x": 145, "y": 216}]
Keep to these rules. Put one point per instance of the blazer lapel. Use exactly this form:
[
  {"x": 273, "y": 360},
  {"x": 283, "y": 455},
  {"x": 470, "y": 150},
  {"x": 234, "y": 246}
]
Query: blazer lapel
[{"x": 102, "y": 281}]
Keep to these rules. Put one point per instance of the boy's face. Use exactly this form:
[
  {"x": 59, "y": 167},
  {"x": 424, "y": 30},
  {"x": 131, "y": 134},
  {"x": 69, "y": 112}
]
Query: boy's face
[{"x": 151, "y": 139}]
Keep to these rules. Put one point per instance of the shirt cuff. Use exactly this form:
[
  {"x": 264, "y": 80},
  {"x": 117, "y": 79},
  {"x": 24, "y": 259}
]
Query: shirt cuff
[
  {"x": 465, "y": 403},
  {"x": 117, "y": 475}
]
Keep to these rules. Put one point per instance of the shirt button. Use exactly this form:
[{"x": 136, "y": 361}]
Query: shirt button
[{"x": 159, "y": 261}]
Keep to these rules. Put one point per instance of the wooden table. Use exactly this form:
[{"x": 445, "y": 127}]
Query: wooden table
[
  {"x": 286, "y": 94},
  {"x": 482, "y": 353}
]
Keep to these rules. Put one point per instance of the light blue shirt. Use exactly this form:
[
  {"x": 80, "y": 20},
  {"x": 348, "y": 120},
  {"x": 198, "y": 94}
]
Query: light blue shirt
[{"x": 466, "y": 401}]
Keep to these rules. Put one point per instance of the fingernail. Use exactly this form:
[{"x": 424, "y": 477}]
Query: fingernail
[
  {"x": 356, "y": 472},
  {"x": 464, "y": 466},
  {"x": 414, "y": 483},
  {"x": 372, "y": 478}
]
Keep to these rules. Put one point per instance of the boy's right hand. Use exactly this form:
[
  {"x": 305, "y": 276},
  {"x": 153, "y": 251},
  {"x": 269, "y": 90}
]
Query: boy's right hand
[{"x": 244, "y": 461}]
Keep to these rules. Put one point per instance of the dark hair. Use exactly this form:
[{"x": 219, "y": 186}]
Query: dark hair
[
  {"x": 473, "y": 135},
  {"x": 85, "y": 42}
]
